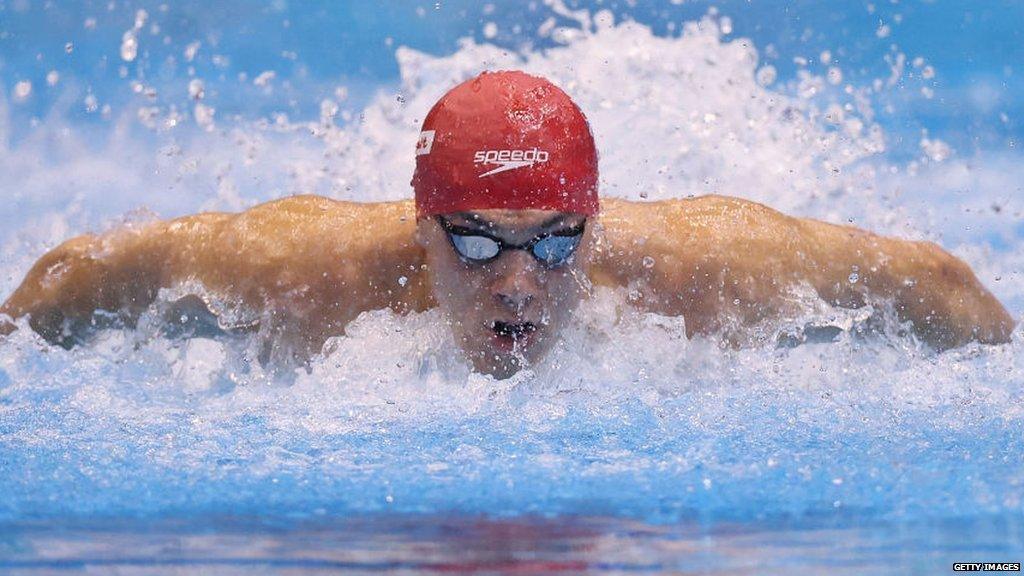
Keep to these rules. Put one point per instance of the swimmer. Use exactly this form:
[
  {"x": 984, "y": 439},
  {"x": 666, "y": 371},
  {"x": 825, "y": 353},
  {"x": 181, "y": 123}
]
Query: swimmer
[{"x": 506, "y": 235}]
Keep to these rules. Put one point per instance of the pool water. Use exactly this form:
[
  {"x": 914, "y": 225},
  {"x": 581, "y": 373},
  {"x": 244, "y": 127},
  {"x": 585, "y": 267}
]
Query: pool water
[
  {"x": 449, "y": 544},
  {"x": 632, "y": 448}
]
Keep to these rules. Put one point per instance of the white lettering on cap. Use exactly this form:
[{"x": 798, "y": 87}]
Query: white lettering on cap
[{"x": 508, "y": 159}]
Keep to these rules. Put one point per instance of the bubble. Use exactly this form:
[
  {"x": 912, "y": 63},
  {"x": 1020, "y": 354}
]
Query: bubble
[
  {"x": 22, "y": 90},
  {"x": 191, "y": 50},
  {"x": 140, "y": 18},
  {"x": 203, "y": 115},
  {"x": 264, "y": 78},
  {"x": 648, "y": 262},
  {"x": 835, "y": 76},
  {"x": 935, "y": 150},
  {"x": 129, "y": 46},
  {"x": 725, "y": 24},
  {"x": 148, "y": 115},
  {"x": 196, "y": 89},
  {"x": 766, "y": 75},
  {"x": 328, "y": 111}
]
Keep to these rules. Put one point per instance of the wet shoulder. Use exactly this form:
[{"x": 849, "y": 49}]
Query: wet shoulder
[
  {"x": 311, "y": 232},
  {"x": 316, "y": 218},
  {"x": 680, "y": 218}
]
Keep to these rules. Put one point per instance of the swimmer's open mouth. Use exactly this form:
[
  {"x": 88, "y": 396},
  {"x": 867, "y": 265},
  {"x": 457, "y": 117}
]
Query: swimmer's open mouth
[{"x": 514, "y": 330}]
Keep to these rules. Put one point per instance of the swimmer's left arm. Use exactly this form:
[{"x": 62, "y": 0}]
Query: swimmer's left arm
[
  {"x": 718, "y": 260},
  {"x": 932, "y": 289}
]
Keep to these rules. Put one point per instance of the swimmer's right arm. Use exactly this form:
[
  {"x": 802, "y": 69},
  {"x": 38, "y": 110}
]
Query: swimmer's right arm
[
  {"x": 313, "y": 264},
  {"x": 119, "y": 272}
]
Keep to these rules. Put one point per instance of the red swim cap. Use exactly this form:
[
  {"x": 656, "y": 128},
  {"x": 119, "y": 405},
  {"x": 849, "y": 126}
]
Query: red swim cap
[{"x": 505, "y": 140}]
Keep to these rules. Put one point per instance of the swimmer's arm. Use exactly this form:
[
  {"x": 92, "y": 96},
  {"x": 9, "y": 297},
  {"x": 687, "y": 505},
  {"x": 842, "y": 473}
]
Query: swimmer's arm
[
  {"x": 119, "y": 272},
  {"x": 932, "y": 289},
  {"x": 728, "y": 265},
  {"x": 308, "y": 264}
]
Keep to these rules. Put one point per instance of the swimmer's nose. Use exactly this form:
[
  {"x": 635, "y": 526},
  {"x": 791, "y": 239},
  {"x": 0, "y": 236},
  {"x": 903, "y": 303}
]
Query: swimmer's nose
[{"x": 516, "y": 285}]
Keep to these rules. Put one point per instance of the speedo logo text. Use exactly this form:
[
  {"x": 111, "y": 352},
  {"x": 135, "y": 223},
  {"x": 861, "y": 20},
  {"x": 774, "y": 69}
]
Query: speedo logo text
[{"x": 509, "y": 159}]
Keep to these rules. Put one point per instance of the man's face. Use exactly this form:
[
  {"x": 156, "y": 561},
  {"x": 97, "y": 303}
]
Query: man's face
[{"x": 506, "y": 311}]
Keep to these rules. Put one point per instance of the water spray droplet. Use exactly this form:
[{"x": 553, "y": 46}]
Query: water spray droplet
[
  {"x": 726, "y": 25},
  {"x": 22, "y": 90},
  {"x": 264, "y": 78},
  {"x": 766, "y": 75},
  {"x": 204, "y": 116},
  {"x": 191, "y": 50},
  {"x": 196, "y": 90},
  {"x": 835, "y": 76},
  {"x": 140, "y": 18},
  {"x": 129, "y": 46}
]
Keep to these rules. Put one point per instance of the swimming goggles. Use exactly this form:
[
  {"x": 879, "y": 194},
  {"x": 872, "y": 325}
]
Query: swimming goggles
[{"x": 551, "y": 249}]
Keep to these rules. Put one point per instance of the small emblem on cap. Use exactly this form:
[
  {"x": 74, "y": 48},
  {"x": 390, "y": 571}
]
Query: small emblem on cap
[{"x": 425, "y": 143}]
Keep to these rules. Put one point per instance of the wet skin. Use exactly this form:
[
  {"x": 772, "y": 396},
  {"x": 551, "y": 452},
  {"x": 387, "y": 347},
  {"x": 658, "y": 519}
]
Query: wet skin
[
  {"x": 309, "y": 265},
  {"x": 505, "y": 312}
]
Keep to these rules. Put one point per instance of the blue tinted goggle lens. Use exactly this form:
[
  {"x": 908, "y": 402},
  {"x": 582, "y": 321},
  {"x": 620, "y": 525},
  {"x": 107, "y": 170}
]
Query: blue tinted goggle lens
[
  {"x": 551, "y": 250},
  {"x": 475, "y": 247},
  {"x": 555, "y": 250}
]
